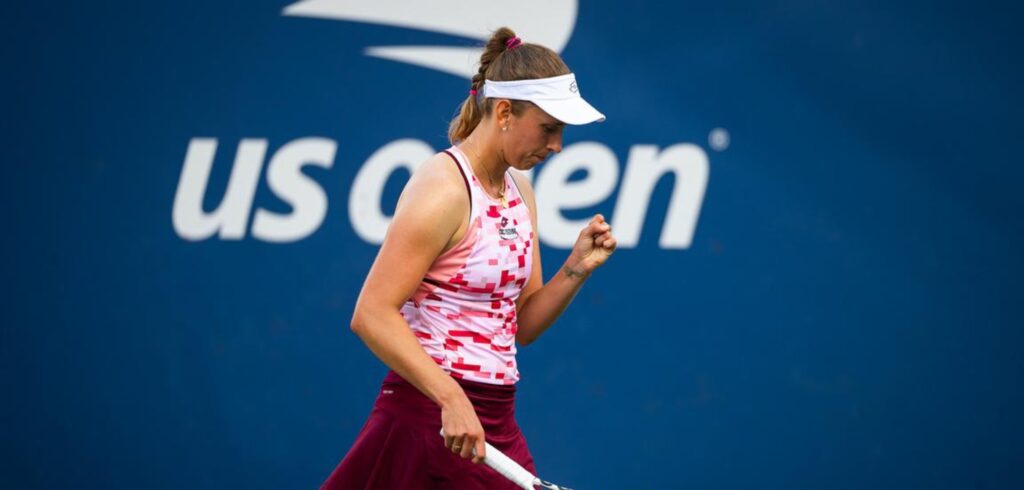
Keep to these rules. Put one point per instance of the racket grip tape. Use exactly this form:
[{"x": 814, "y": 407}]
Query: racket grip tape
[
  {"x": 507, "y": 467},
  {"x": 510, "y": 469}
]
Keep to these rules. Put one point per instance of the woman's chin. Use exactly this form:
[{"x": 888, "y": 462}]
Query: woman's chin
[{"x": 528, "y": 163}]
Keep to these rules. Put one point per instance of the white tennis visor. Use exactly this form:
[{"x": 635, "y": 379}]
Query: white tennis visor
[{"x": 558, "y": 96}]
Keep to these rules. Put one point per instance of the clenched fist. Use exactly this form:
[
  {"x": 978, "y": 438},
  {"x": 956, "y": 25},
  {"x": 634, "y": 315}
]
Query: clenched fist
[{"x": 593, "y": 247}]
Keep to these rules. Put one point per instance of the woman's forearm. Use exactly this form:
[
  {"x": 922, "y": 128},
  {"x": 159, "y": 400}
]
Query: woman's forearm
[
  {"x": 546, "y": 304},
  {"x": 389, "y": 337}
]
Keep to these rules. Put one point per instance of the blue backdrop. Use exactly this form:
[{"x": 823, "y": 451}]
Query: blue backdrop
[{"x": 842, "y": 314}]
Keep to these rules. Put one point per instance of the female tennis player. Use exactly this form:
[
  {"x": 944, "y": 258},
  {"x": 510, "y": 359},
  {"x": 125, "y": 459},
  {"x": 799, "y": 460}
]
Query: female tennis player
[{"x": 458, "y": 282}]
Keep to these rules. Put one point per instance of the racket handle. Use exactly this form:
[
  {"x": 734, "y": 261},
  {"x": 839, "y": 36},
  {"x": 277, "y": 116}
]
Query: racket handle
[{"x": 507, "y": 467}]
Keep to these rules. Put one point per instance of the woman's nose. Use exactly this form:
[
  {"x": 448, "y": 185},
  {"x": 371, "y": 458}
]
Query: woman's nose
[{"x": 555, "y": 144}]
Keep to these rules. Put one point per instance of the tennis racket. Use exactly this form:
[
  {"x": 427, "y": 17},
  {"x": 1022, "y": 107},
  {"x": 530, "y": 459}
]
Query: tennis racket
[{"x": 514, "y": 471}]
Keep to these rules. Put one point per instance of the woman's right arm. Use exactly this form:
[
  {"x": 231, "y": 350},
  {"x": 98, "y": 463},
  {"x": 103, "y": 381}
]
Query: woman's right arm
[{"x": 432, "y": 209}]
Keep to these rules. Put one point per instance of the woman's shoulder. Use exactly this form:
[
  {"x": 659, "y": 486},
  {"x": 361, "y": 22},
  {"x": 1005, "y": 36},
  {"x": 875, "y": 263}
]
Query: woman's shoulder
[
  {"x": 438, "y": 182},
  {"x": 440, "y": 173},
  {"x": 441, "y": 166}
]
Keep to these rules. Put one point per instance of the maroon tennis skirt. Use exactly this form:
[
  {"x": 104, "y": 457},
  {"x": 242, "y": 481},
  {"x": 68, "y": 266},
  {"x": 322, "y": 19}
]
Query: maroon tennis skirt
[{"x": 401, "y": 447}]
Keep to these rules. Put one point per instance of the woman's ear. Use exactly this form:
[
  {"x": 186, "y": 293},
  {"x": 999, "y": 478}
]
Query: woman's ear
[{"x": 502, "y": 112}]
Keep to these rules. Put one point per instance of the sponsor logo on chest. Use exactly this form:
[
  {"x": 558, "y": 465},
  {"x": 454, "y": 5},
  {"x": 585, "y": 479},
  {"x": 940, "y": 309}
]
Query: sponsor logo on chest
[{"x": 506, "y": 232}]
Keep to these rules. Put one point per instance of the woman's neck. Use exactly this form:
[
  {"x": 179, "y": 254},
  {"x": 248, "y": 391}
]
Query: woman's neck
[{"x": 486, "y": 161}]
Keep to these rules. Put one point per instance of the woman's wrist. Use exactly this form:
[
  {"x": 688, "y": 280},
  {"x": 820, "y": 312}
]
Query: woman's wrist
[
  {"x": 574, "y": 269},
  {"x": 450, "y": 395}
]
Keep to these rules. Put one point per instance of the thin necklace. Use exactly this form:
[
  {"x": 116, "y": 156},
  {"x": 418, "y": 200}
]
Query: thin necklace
[{"x": 501, "y": 193}]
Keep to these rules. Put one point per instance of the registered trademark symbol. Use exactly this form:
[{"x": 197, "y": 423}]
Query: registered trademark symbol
[{"x": 718, "y": 138}]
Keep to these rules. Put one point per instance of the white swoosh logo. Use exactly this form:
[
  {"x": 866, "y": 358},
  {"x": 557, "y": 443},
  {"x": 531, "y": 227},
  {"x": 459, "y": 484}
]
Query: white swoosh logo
[{"x": 546, "y": 22}]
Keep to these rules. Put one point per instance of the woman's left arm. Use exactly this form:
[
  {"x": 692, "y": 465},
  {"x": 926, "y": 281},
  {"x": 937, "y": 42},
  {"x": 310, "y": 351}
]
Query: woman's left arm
[{"x": 539, "y": 304}]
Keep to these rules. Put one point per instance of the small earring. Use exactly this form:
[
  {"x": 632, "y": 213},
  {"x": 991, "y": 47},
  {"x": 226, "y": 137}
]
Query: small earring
[{"x": 505, "y": 128}]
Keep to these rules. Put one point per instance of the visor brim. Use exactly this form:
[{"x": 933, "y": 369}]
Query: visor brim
[{"x": 575, "y": 111}]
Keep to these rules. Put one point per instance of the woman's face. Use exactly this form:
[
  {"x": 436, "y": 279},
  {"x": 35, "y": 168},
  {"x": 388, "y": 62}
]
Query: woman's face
[{"x": 531, "y": 137}]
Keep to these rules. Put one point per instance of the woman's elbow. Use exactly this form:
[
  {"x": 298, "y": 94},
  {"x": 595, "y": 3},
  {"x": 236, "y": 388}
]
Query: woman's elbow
[
  {"x": 358, "y": 322},
  {"x": 367, "y": 315}
]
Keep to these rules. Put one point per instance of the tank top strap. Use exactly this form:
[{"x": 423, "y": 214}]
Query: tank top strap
[{"x": 465, "y": 170}]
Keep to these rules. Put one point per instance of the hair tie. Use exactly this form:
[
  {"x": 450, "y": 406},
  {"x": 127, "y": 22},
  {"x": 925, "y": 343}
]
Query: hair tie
[
  {"x": 513, "y": 43},
  {"x": 472, "y": 92}
]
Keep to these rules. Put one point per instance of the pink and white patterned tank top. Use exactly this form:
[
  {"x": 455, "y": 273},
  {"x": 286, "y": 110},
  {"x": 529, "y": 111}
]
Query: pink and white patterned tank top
[{"x": 464, "y": 311}]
